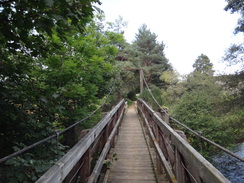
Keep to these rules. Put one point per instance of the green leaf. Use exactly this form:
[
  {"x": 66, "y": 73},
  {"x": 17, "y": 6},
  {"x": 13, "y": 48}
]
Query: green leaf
[
  {"x": 55, "y": 95},
  {"x": 49, "y": 2}
]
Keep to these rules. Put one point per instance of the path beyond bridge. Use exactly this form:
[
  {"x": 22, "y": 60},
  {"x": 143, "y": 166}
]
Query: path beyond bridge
[{"x": 134, "y": 162}]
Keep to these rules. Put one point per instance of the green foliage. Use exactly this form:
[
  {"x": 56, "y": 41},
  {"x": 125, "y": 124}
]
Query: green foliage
[
  {"x": 234, "y": 55},
  {"x": 174, "y": 87},
  {"x": 145, "y": 53},
  {"x": 237, "y": 6},
  {"x": 30, "y": 166},
  {"x": 25, "y": 23},
  {"x": 170, "y": 77},
  {"x": 203, "y": 108},
  {"x": 109, "y": 162},
  {"x": 150, "y": 55},
  {"x": 210, "y": 105},
  {"x": 47, "y": 92},
  {"x": 203, "y": 65},
  {"x": 127, "y": 81},
  {"x": 156, "y": 92},
  {"x": 118, "y": 25},
  {"x": 129, "y": 102}
]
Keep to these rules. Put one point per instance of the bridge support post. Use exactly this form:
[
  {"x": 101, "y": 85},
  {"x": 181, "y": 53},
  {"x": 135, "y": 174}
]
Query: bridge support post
[
  {"x": 141, "y": 81},
  {"x": 114, "y": 120},
  {"x": 106, "y": 132},
  {"x": 86, "y": 167},
  {"x": 159, "y": 140},
  {"x": 151, "y": 124},
  {"x": 179, "y": 169},
  {"x": 165, "y": 115}
]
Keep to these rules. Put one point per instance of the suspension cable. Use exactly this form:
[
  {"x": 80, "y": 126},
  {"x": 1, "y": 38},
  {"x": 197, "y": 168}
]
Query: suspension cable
[
  {"x": 195, "y": 133},
  {"x": 59, "y": 133}
]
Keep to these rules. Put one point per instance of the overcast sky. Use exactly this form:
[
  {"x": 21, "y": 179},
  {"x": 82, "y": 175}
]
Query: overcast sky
[{"x": 187, "y": 27}]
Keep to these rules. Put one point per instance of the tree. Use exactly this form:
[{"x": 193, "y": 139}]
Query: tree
[
  {"x": 25, "y": 31},
  {"x": 237, "y": 6},
  {"x": 118, "y": 25},
  {"x": 203, "y": 65},
  {"x": 51, "y": 91},
  {"x": 235, "y": 54},
  {"x": 116, "y": 31},
  {"x": 24, "y": 23},
  {"x": 174, "y": 87},
  {"x": 197, "y": 109},
  {"x": 209, "y": 105},
  {"x": 170, "y": 77},
  {"x": 150, "y": 54}
]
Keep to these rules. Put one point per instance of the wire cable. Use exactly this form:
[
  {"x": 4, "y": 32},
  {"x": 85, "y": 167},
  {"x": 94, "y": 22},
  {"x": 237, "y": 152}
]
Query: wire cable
[
  {"x": 188, "y": 172},
  {"x": 59, "y": 133},
  {"x": 76, "y": 172},
  {"x": 195, "y": 133}
]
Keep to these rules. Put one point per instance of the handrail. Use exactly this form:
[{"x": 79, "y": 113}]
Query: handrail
[
  {"x": 77, "y": 162},
  {"x": 97, "y": 169},
  {"x": 185, "y": 162}
]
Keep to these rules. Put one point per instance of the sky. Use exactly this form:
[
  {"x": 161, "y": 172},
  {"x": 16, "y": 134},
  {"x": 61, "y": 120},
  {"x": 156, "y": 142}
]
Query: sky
[{"x": 188, "y": 28}]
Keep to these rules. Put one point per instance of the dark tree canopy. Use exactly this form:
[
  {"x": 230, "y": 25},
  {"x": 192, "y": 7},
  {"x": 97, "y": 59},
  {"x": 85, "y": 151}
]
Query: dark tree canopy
[
  {"x": 55, "y": 67},
  {"x": 203, "y": 65},
  {"x": 235, "y": 54},
  {"x": 150, "y": 54},
  {"x": 237, "y": 6},
  {"x": 24, "y": 23}
]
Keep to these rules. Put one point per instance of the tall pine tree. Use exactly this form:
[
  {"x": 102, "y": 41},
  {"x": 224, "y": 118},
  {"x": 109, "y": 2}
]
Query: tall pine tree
[
  {"x": 150, "y": 54},
  {"x": 203, "y": 65}
]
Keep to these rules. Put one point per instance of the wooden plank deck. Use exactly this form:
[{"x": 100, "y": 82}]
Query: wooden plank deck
[{"x": 134, "y": 163}]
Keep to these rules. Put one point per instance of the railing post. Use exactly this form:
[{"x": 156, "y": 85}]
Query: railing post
[
  {"x": 144, "y": 123},
  {"x": 150, "y": 122},
  {"x": 106, "y": 132},
  {"x": 86, "y": 167},
  {"x": 179, "y": 169},
  {"x": 114, "y": 122},
  {"x": 141, "y": 81},
  {"x": 182, "y": 163},
  {"x": 159, "y": 140},
  {"x": 123, "y": 108},
  {"x": 72, "y": 176},
  {"x": 170, "y": 150},
  {"x": 165, "y": 115}
]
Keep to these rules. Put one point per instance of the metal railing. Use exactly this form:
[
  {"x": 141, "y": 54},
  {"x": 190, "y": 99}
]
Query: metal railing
[{"x": 180, "y": 161}]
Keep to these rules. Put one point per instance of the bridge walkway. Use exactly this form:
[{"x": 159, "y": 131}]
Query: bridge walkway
[{"x": 134, "y": 162}]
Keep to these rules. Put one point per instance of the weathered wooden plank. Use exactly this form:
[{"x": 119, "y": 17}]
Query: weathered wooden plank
[
  {"x": 134, "y": 176},
  {"x": 205, "y": 170},
  {"x": 128, "y": 169},
  {"x": 98, "y": 167},
  {"x": 179, "y": 169},
  {"x": 165, "y": 164},
  {"x": 60, "y": 170},
  {"x": 131, "y": 181},
  {"x": 137, "y": 152},
  {"x": 134, "y": 163},
  {"x": 134, "y": 156},
  {"x": 86, "y": 167}
]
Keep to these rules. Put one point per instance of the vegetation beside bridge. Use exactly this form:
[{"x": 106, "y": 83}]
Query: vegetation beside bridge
[{"x": 59, "y": 60}]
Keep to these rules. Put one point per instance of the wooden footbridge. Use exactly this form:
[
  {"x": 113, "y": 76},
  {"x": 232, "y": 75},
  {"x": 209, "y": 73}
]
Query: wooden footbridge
[{"x": 132, "y": 145}]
